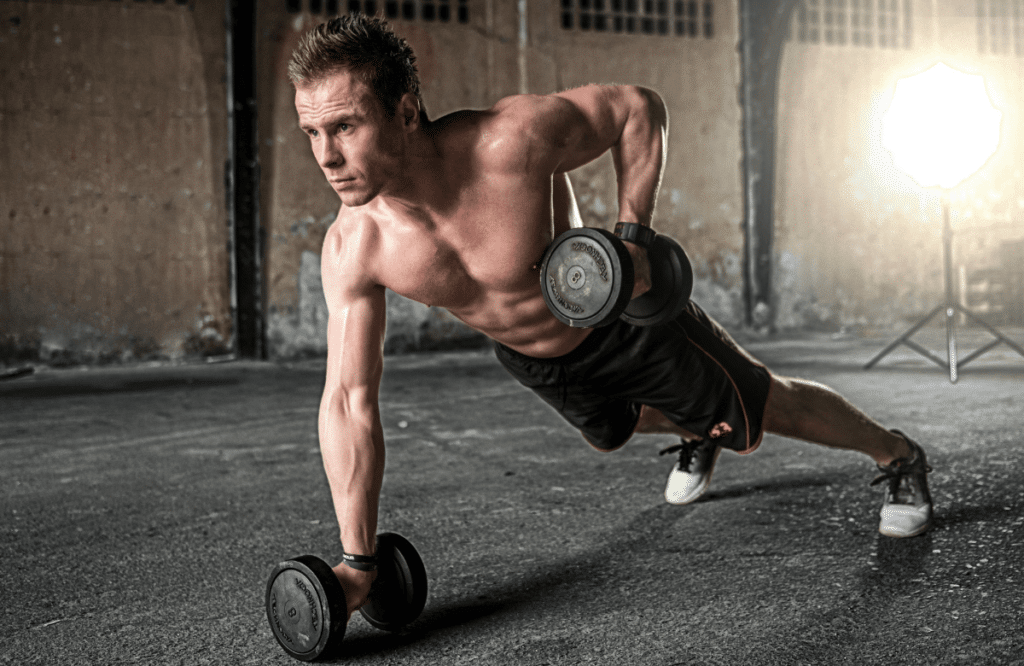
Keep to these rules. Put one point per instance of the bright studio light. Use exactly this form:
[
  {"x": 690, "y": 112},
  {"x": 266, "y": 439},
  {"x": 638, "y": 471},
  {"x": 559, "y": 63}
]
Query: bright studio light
[{"x": 941, "y": 126}]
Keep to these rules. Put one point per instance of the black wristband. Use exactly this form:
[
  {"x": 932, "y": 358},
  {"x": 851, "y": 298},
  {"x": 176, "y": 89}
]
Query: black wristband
[
  {"x": 635, "y": 233},
  {"x": 360, "y": 562}
]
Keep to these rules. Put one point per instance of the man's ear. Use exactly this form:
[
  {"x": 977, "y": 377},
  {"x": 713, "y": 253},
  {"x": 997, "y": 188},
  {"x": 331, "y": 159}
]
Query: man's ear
[{"x": 409, "y": 111}]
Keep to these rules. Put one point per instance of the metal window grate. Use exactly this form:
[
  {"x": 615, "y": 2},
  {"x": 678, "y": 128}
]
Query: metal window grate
[
  {"x": 834, "y": 21},
  {"x": 1001, "y": 27},
  {"x": 443, "y": 11},
  {"x": 681, "y": 18},
  {"x": 872, "y": 23},
  {"x": 190, "y": 4}
]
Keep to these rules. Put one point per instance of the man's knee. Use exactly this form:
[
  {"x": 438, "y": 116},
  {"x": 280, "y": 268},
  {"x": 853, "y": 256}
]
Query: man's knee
[
  {"x": 782, "y": 409},
  {"x": 651, "y": 421},
  {"x": 606, "y": 446},
  {"x": 654, "y": 422}
]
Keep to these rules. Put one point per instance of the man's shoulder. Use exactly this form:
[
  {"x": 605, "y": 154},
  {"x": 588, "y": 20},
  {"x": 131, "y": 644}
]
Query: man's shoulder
[
  {"x": 348, "y": 241},
  {"x": 531, "y": 113},
  {"x": 506, "y": 134},
  {"x": 352, "y": 226},
  {"x": 511, "y": 111}
]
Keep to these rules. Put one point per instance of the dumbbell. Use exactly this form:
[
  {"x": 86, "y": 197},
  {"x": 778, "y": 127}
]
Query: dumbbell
[
  {"x": 306, "y": 604},
  {"x": 586, "y": 277}
]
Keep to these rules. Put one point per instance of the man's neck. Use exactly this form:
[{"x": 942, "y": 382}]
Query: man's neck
[{"x": 422, "y": 178}]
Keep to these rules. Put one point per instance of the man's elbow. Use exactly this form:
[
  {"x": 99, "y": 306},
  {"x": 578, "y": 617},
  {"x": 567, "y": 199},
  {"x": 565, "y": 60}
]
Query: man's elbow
[{"x": 649, "y": 104}]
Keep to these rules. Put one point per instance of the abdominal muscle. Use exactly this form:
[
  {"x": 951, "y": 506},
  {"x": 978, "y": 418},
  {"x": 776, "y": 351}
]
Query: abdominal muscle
[
  {"x": 513, "y": 313},
  {"x": 525, "y": 325}
]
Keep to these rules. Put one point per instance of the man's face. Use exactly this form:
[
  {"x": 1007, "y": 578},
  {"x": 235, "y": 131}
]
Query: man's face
[{"x": 359, "y": 150}]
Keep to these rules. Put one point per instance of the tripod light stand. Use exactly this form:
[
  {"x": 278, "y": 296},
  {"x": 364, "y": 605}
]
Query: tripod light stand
[
  {"x": 940, "y": 129},
  {"x": 951, "y": 307}
]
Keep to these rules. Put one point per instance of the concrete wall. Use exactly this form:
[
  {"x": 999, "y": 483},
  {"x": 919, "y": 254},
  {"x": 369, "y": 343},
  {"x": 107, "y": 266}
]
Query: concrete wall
[
  {"x": 858, "y": 243},
  {"x": 113, "y": 229},
  {"x": 112, "y": 217},
  {"x": 501, "y": 51}
]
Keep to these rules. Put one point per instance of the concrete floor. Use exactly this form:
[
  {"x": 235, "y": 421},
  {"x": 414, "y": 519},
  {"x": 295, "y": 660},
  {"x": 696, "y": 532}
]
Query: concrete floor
[{"x": 141, "y": 510}]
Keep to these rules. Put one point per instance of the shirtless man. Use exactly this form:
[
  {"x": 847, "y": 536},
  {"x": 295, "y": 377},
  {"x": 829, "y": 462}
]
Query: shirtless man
[{"x": 456, "y": 212}]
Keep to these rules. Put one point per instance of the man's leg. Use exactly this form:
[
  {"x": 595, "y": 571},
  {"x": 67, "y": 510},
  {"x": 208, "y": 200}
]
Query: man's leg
[
  {"x": 813, "y": 412},
  {"x": 809, "y": 411}
]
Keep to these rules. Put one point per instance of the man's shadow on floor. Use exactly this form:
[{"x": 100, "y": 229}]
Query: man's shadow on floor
[{"x": 581, "y": 571}]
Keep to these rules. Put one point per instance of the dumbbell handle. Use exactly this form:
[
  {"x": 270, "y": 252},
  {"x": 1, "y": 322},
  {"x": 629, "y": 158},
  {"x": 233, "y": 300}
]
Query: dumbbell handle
[
  {"x": 646, "y": 238},
  {"x": 635, "y": 233}
]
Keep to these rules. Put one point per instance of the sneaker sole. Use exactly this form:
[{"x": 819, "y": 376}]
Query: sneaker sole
[
  {"x": 893, "y": 535},
  {"x": 908, "y": 518}
]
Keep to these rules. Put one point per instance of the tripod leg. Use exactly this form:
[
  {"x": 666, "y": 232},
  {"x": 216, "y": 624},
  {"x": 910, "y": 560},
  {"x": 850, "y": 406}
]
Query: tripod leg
[
  {"x": 903, "y": 338},
  {"x": 951, "y": 343},
  {"x": 993, "y": 330}
]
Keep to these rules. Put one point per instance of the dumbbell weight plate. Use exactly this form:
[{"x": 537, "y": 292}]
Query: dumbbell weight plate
[
  {"x": 306, "y": 607},
  {"x": 671, "y": 285},
  {"x": 586, "y": 277},
  {"x": 400, "y": 589}
]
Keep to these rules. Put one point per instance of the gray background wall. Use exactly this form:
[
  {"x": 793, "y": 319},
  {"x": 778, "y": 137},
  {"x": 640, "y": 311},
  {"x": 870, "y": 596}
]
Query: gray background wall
[{"x": 114, "y": 231}]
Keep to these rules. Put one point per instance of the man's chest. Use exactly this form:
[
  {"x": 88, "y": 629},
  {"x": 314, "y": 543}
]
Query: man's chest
[{"x": 457, "y": 258}]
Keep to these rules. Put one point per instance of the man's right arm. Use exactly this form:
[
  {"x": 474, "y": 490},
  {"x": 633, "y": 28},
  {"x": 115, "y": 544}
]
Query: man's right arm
[
  {"x": 351, "y": 436},
  {"x": 561, "y": 132}
]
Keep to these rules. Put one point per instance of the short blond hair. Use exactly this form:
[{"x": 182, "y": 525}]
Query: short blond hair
[{"x": 363, "y": 45}]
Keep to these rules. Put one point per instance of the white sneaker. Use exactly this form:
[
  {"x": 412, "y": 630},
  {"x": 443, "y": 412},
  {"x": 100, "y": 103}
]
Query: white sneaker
[
  {"x": 907, "y": 507},
  {"x": 691, "y": 475}
]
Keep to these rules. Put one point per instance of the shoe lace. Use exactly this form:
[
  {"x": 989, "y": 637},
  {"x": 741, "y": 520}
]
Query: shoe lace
[
  {"x": 685, "y": 449},
  {"x": 900, "y": 475}
]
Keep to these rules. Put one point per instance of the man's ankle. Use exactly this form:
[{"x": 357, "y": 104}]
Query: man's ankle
[{"x": 900, "y": 448}]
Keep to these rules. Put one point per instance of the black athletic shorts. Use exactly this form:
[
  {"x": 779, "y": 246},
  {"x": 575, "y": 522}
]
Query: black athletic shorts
[{"x": 690, "y": 369}]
